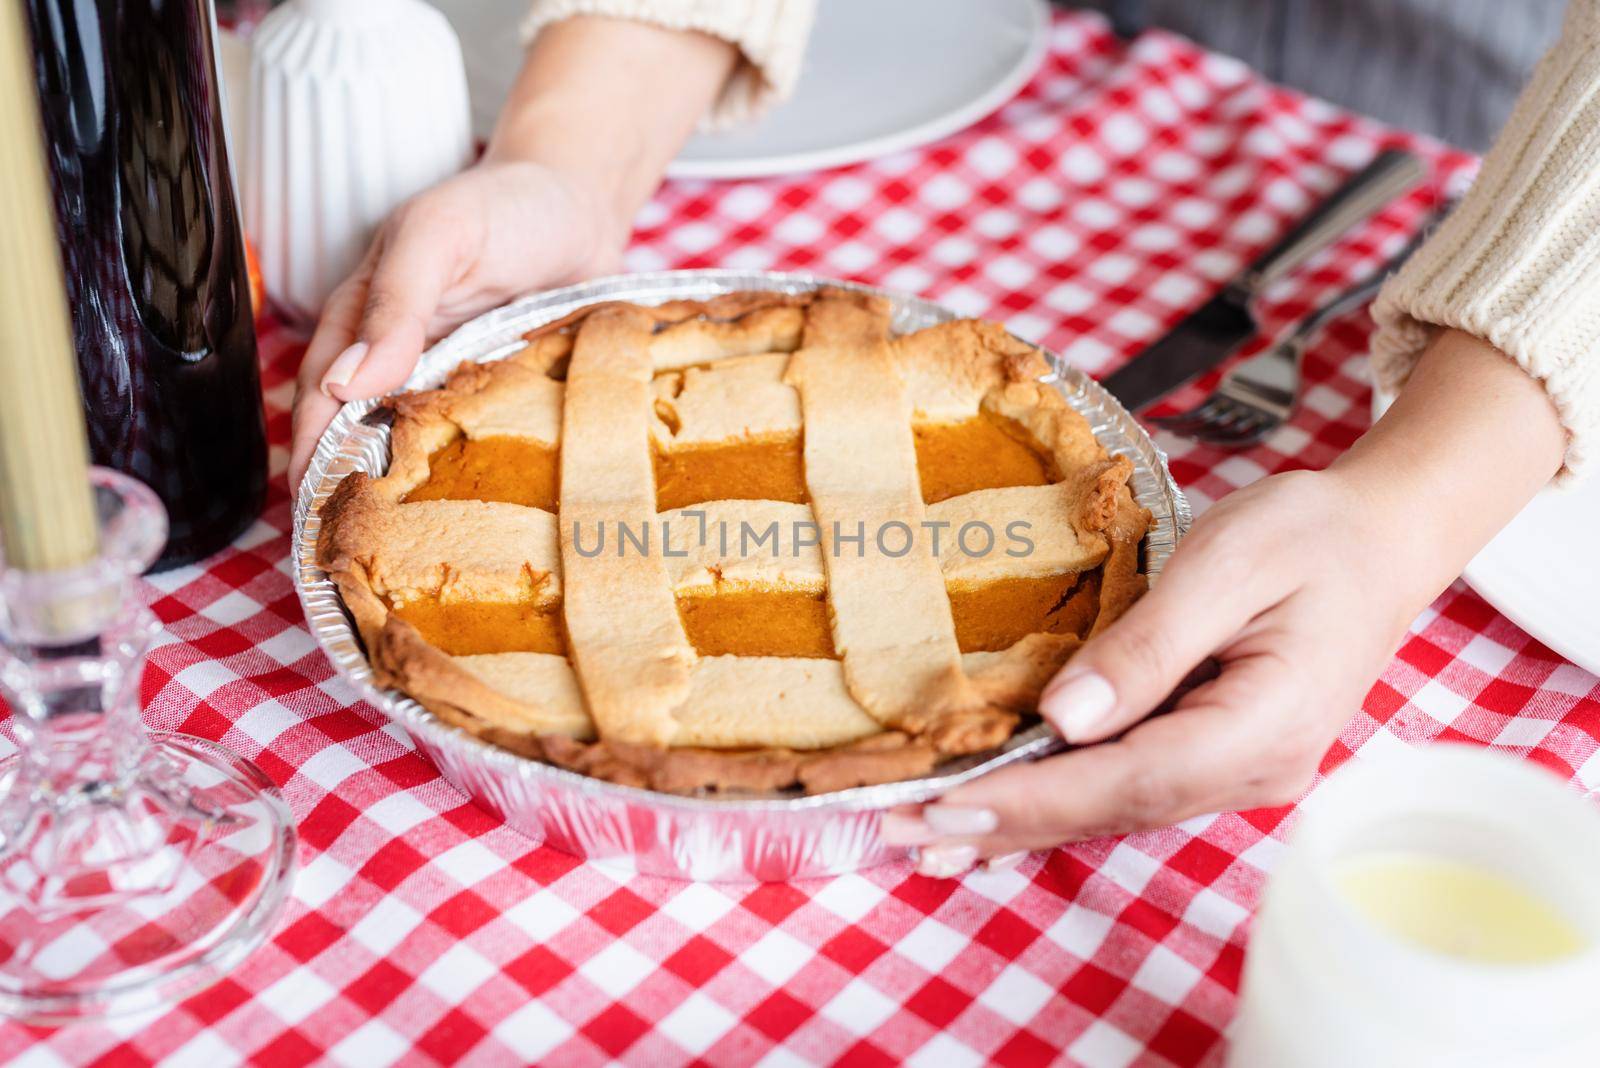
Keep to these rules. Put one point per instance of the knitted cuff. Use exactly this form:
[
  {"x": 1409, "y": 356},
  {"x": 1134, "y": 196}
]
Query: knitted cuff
[
  {"x": 1518, "y": 262},
  {"x": 770, "y": 35}
]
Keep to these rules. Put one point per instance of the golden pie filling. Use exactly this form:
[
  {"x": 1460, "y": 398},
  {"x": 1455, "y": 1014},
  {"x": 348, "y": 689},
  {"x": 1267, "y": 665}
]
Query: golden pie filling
[
  {"x": 739, "y": 619},
  {"x": 513, "y": 470},
  {"x": 996, "y": 615},
  {"x": 745, "y": 619},
  {"x": 771, "y": 469},
  {"x": 467, "y": 628},
  {"x": 989, "y": 452}
]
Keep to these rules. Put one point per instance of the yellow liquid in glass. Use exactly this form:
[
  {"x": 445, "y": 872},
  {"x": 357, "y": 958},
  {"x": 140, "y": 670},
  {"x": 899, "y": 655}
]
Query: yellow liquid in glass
[{"x": 1456, "y": 909}]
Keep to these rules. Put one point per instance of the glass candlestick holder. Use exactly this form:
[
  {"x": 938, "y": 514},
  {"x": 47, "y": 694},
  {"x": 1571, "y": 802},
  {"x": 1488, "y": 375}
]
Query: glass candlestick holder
[{"x": 135, "y": 866}]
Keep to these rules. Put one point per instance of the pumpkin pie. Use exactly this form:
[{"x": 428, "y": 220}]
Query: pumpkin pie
[{"x": 754, "y": 543}]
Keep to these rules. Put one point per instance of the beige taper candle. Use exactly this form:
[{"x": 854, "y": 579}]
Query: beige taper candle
[{"x": 47, "y": 516}]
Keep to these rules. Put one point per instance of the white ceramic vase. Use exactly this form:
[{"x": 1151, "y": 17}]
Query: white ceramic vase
[{"x": 354, "y": 106}]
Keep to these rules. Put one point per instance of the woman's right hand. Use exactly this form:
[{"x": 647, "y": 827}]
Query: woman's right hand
[
  {"x": 600, "y": 107},
  {"x": 498, "y": 229}
]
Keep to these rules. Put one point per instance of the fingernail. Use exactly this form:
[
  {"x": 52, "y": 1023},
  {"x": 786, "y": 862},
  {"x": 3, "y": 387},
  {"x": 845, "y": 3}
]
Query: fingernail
[
  {"x": 959, "y": 820},
  {"x": 901, "y": 830},
  {"x": 946, "y": 862},
  {"x": 1004, "y": 862},
  {"x": 1079, "y": 705},
  {"x": 343, "y": 368}
]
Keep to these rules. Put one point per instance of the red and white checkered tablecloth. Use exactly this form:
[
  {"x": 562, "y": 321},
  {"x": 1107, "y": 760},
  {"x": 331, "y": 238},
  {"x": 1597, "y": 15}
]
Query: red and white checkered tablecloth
[{"x": 1117, "y": 192}]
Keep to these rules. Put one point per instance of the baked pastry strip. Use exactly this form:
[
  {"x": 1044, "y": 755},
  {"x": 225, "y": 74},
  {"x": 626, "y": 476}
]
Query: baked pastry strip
[
  {"x": 495, "y": 552},
  {"x": 891, "y": 616},
  {"x": 625, "y": 637},
  {"x": 735, "y": 701},
  {"x": 522, "y": 403},
  {"x": 725, "y": 381},
  {"x": 747, "y": 702},
  {"x": 700, "y": 341},
  {"x": 451, "y": 550}
]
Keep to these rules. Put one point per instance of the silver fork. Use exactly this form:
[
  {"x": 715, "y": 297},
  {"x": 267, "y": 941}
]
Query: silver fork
[{"x": 1258, "y": 396}]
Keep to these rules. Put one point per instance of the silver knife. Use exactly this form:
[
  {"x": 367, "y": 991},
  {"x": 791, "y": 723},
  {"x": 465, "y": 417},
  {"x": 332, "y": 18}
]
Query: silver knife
[{"x": 1223, "y": 323}]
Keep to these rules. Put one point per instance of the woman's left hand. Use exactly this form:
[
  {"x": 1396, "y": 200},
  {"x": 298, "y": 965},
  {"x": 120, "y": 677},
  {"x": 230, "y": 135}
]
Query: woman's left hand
[{"x": 1299, "y": 586}]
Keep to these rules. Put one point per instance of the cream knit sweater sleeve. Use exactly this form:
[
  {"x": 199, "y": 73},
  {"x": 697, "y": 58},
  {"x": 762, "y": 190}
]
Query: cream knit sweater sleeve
[
  {"x": 1518, "y": 262},
  {"x": 770, "y": 35}
]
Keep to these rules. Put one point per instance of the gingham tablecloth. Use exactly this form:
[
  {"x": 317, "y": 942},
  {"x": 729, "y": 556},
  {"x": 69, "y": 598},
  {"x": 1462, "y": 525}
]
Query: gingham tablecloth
[{"x": 1115, "y": 194}]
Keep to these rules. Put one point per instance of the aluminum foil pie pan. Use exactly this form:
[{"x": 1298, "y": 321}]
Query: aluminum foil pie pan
[{"x": 756, "y": 838}]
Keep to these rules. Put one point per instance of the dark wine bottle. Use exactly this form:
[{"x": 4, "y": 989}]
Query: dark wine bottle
[{"x": 154, "y": 258}]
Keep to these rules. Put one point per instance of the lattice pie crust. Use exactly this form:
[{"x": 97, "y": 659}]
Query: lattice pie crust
[{"x": 831, "y": 556}]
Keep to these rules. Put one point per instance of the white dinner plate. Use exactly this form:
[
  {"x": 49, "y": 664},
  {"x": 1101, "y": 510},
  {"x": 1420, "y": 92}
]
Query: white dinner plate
[
  {"x": 1541, "y": 571},
  {"x": 880, "y": 76}
]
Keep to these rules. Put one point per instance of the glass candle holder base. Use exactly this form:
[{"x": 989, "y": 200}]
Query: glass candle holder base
[
  {"x": 135, "y": 867},
  {"x": 131, "y": 901}
]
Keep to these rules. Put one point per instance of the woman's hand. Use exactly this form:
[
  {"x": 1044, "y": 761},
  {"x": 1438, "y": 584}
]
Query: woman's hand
[
  {"x": 599, "y": 109},
  {"x": 496, "y": 230},
  {"x": 1299, "y": 587},
  {"x": 1297, "y": 593}
]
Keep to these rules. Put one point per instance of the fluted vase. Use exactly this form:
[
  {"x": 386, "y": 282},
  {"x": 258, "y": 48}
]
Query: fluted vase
[{"x": 354, "y": 107}]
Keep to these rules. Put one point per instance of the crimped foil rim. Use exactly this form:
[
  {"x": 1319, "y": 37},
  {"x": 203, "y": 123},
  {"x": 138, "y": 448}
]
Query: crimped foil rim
[{"x": 349, "y": 445}]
